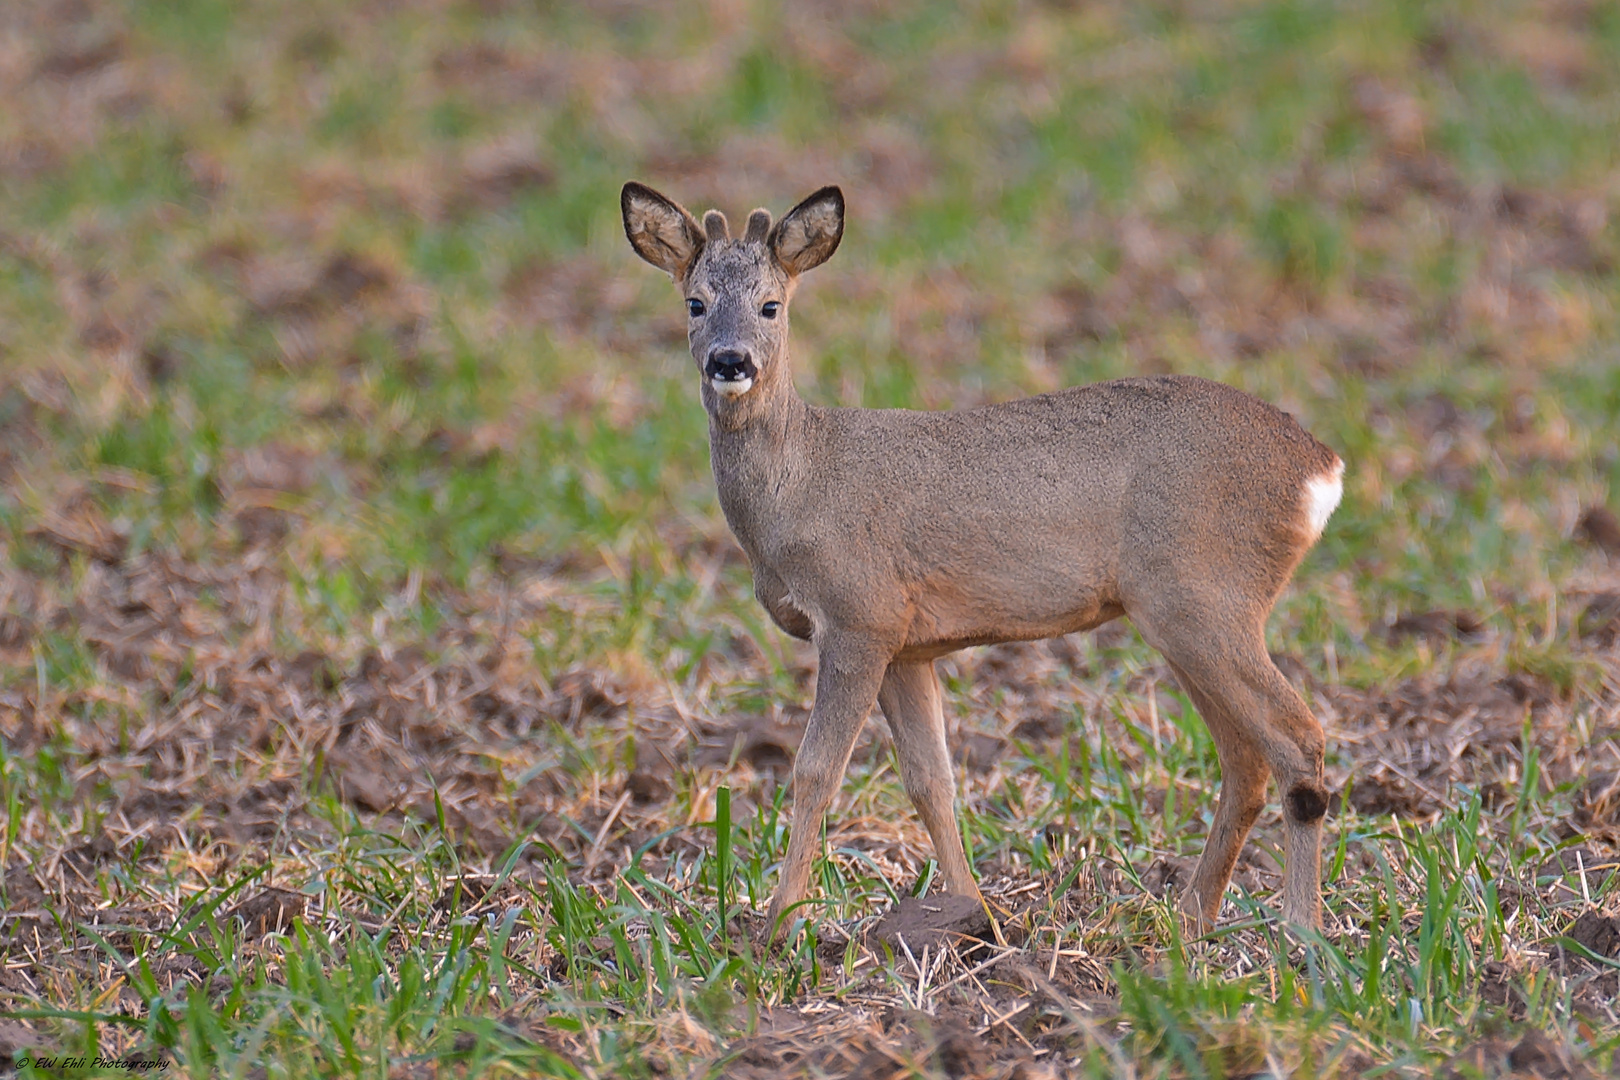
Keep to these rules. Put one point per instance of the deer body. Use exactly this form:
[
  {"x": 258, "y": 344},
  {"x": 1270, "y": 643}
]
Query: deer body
[
  {"x": 1036, "y": 518},
  {"x": 890, "y": 537}
]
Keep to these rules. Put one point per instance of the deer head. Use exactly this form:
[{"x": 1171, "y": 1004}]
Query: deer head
[{"x": 737, "y": 291}]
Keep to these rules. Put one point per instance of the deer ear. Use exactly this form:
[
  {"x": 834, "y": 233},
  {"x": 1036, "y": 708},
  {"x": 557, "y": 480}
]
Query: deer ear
[
  {"x": 810, "y": 232},
  {"x": 660, "y": 229}
]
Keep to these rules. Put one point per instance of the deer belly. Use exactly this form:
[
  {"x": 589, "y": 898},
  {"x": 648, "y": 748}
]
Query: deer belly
[{"x": 955, "y": 610}]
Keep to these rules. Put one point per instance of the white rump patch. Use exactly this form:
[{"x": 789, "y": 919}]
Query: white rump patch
[
  {"x": 1322, "y": 494},
  {"x": 732, "y": 387}
]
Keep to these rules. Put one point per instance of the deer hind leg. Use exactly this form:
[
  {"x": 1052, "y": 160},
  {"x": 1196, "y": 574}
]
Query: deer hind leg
[
  {"x": 915, "y": 709},
  {"x": 846, "y": 687},
  {"x": 1244, "y": 773},
  {"x": 1254, "y": 715},
  {"x": 1297, "y": 762}
]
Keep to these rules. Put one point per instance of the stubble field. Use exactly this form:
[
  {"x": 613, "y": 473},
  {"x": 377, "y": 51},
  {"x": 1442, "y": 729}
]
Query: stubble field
[{"x": 381, "y": 693}]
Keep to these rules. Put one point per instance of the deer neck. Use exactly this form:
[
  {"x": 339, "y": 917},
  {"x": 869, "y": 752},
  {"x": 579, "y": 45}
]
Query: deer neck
[{"x": 757, "y": 447}]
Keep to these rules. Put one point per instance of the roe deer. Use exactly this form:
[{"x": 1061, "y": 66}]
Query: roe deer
[{"x": 890, "y": 537}]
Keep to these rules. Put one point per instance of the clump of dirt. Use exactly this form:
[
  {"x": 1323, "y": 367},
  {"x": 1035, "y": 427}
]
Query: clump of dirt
[
  {"x": 585, "y": 693},
  {"x": 935, "y": 922},
  {"x": 950, "y": 1043},
  {"x": 17, "y": 1039},
  {"x": 1600, "y": 619},
  {"x": 766, "y": 743},
  {"x": 1598, "y": 802},
  {"x": 81, "y": 528},
  {"x": 1169, "y": 875},
  {"x": 649, "y": 780},
  {"x": 1496, "y": 987},
  {"x": 978, "y": 751},
  {"x": 270, "y": 911},
  {"x": 1533, "y": 1057},
  {"x": 1385, "y": 795},
  {"x": 1436, "y": 625},
  {"x": 1599, "y": 527},
  {"x": 300, "y": 289},
  {"x": 1598, "y": 933},
  {"x": 362, "y": 778}
]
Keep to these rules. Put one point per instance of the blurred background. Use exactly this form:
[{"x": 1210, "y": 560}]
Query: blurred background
[
  {"x": 366, "y": 257},
  {"x": 343, "y": 440}
]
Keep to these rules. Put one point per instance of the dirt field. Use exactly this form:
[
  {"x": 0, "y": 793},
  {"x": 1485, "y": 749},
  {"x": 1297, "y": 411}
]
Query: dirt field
[{"x": 381, "y": 693}]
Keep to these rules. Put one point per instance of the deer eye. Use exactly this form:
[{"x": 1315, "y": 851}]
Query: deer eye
[
  {"x": 770, "y": 309},
  {"x": 694, "y": 307}
]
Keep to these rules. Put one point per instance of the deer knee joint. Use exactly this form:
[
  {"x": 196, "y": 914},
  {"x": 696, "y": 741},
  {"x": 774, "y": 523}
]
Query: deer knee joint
[
  {"x": 1306, "y": 802},
  {"x": 925, "y": 786},
  {"x": 814, "y": 778}
]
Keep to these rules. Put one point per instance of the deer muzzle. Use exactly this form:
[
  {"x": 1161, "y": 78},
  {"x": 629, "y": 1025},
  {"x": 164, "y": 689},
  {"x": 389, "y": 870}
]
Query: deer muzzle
[{"x": 731, "y": 372}]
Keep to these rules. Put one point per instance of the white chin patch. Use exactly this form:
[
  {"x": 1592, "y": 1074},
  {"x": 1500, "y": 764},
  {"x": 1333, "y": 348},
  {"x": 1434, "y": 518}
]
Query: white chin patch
[{"x": 732, "y": 387}]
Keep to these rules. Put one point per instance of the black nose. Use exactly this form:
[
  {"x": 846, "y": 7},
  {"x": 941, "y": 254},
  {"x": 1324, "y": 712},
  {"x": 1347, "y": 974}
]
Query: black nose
[{"x": 729, "y": 365}]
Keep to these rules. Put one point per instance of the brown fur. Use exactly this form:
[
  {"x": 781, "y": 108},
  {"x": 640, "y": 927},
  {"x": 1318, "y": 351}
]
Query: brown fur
[{"x": 890, "y": 537}]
